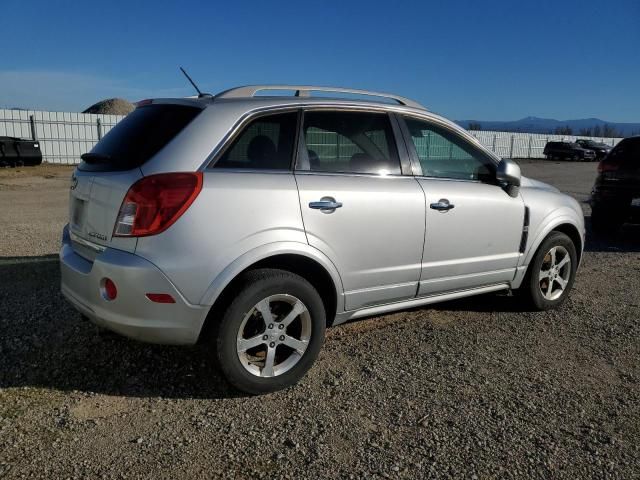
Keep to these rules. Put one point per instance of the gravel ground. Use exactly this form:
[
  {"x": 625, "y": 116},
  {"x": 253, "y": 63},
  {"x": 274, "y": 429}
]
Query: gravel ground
[{"x": 468, "y": 389}]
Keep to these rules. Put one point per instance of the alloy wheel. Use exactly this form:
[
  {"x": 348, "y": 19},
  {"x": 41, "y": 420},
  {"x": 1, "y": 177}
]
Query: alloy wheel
[
  {"x": 274, "y": 335},
  {"x": 555, "y": 273}
]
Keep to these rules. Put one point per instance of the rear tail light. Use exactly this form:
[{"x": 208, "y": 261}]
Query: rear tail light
[
  {"x": 605, "y": 166},
  {"x": 154, "y": 203}
]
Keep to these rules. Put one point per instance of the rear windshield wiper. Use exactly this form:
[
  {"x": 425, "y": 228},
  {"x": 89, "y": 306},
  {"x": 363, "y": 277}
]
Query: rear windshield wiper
[{"x": 95, "y": 157}]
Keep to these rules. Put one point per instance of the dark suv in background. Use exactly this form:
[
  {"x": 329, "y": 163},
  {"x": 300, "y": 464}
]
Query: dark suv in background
[
  {"x": 600, "y": 149},
  {"x": 568, "y": 151},
  {"x": 615, "y": 198}
]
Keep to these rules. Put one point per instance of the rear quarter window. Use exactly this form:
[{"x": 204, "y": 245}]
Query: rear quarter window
[{"x": 138, "y": 137}]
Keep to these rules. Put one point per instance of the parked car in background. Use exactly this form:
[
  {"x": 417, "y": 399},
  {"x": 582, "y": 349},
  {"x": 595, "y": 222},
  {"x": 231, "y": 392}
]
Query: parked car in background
[
  {"x": 600, "y": 149},
  {"x": 568, "y": 151},
  {"x": 17, "y": 152},
  {"x": 615, "y": 198},
  {"x": 253, "y": 222}
]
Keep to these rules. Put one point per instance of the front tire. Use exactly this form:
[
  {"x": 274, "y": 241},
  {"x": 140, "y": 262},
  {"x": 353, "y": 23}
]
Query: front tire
[
  {"x": 551, "y": 273},
  {"x": 272, "y": 331}
]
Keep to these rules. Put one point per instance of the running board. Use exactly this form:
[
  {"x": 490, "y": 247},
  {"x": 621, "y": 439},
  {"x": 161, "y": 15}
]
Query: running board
[{"x": 416, "y": 302}]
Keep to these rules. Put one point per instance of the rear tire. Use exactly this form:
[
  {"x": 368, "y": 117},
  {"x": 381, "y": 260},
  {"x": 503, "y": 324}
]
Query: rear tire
[
  {"x": 551, "y": 273},
  {"x": 258, "y": 354}
]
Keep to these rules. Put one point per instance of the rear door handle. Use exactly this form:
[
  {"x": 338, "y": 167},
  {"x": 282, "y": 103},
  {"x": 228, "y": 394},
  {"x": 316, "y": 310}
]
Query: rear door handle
[
  {"x": 442, "y": 205},
  {"x": 325, "y": 204}
]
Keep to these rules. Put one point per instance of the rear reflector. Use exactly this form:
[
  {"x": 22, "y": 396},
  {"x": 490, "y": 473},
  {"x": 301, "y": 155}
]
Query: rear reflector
[
  {"x": 160, "y": 298},
  {"x": 109, "y": 290},
  {"x": 154, "y": 203}
]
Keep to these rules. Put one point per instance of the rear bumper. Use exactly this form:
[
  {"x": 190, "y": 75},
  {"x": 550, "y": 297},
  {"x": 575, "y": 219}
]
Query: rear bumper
[
  {"x": 131, "y": 313},
  {"x": 614, "y": 191}
]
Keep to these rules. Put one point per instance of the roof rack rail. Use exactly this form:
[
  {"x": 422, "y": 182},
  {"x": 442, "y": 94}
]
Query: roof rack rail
[{"x": 305, "y": 90}]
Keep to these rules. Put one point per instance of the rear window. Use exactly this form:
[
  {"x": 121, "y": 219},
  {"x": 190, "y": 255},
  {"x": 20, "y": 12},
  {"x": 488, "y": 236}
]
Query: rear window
[
  {"x": 628, "y": 150},
  {"x": 138, "y": 137}
]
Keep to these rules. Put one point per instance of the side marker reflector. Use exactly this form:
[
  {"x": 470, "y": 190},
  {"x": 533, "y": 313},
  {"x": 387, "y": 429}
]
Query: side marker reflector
[{"x": 160, "y": 298}]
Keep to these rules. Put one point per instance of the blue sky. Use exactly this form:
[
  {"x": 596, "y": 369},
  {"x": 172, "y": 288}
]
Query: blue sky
[{"x": 488, "y": 60}]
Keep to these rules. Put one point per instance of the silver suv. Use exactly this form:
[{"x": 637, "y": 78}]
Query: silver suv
[{"x": 253, "y": 222}]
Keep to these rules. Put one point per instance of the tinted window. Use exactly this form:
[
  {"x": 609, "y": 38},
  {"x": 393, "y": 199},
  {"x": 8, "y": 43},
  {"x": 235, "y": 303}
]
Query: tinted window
[
  {"x": 266, "y": 143},
  {"x": 140, "y": 135},
  {"x": 627, "y": 150},
  {"x": 443, "y": 154},
  {"x": 349, "y": 142}
]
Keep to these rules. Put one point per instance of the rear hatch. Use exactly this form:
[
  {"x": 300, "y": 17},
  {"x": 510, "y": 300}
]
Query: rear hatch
[
  {"x": 102, "y": 180},
  {"x": 620, "y": 169}
]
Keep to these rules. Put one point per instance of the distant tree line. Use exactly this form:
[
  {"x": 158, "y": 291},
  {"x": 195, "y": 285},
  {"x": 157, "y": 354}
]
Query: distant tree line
[
  {"x": 605, "y": 131},
  {"x": 566, "y": 130},
  {"x": 597, "y": 131}
]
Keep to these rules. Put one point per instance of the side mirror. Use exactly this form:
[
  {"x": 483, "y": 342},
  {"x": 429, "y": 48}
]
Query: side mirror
[{"x": 508, "y": 175}]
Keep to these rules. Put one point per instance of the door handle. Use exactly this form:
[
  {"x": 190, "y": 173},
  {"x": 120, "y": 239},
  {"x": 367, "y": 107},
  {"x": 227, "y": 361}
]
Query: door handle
[
  {"x": 325, "y": 204},
  {"x": 442, "y": 205}
]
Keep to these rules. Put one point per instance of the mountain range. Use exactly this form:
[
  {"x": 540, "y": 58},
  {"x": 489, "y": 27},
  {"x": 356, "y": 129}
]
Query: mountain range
[{"x": 549, "y": 125}]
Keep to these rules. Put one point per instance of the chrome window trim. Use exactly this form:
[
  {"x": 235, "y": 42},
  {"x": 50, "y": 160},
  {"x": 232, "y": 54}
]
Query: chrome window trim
[
  {"x": 447, "y": 179},
  {"x": 271, "y": 171},
  {"x": 252, "y": 114},
  {"x": 398, "y": 110},
  {"x": 351, "y": 174}
]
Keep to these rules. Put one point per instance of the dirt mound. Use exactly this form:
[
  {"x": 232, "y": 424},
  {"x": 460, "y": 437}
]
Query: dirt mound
[{"x": 111, "y": 106}]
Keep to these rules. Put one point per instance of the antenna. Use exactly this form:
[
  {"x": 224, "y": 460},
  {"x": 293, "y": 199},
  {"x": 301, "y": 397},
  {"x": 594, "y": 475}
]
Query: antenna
[{"x": 200, "y": 94}]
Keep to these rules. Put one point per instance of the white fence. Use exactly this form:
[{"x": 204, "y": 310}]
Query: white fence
[
  {"x": 526, "y": 145},
  {"x": 64, "y": 136}
]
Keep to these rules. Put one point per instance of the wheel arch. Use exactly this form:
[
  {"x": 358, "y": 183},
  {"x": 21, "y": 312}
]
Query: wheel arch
[
  {"x": 563, "y": 220},
  {"x": 566, "y": 226},
  {"x": 300, "y": 259},
  {"x": 571, "y": 231}
]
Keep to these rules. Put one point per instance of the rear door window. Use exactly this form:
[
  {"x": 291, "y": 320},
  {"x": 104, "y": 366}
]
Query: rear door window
[
  {"x": 349, "y": 142},
  {"x": 137, "y": 138}
]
